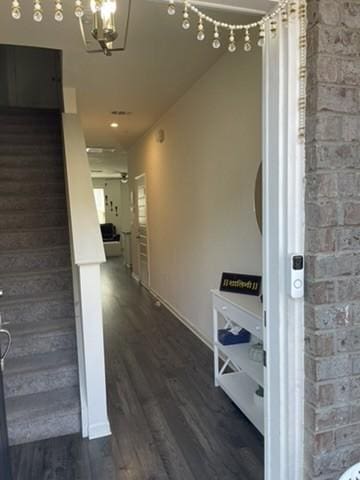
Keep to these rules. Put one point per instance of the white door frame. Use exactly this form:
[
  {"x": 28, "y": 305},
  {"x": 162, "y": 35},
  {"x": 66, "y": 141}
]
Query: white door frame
[
  {"x": 139, "y": 177},
  {"x": 283, "y": 186}
]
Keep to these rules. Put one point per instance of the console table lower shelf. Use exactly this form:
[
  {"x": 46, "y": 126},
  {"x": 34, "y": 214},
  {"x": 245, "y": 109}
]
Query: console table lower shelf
[{"x": 241, "y": 388}]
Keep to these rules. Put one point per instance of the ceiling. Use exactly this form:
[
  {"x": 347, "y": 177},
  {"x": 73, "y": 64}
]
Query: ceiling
[
  {"x": 108, "y": 164},
  {"x": 160, "y": 63}
]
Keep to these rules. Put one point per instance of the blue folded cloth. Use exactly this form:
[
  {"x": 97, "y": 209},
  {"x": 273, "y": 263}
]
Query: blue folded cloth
[{"x": 230, "y": 337}]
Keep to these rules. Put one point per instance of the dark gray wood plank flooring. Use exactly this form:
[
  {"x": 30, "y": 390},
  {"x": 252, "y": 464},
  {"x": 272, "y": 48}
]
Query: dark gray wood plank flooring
[{"x": 168, "y": 420}]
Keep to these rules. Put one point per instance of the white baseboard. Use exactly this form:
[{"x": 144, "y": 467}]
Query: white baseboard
[
  {"x": 182, "y": 319},
  {"x": 99, "y": 430}
]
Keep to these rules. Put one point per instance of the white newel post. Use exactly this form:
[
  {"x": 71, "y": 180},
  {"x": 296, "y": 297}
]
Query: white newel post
[
  {"x": 93, "y": 342},
  {"x": 87, "y": 251}
]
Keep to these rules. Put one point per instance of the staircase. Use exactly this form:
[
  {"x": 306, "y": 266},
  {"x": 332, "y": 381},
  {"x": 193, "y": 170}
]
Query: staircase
[{"x": 41, "y": 374}]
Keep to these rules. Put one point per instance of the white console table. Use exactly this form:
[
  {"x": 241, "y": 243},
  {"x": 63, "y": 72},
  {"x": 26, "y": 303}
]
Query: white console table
[
  {"x": 246, "y": 375},
  {"x": 112, "y": 249}
]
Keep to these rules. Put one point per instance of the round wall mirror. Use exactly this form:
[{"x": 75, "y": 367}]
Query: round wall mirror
[{"x": 258, "y": 198}]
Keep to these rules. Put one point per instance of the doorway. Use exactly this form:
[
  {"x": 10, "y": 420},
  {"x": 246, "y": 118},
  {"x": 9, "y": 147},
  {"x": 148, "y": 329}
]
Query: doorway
[
  {"x": 280, "y": 460},
  {"x": 200, "y": 188},
  {"x": 283, "y": 236}
]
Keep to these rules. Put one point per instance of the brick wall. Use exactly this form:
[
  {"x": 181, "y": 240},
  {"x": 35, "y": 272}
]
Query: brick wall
[{"x": 332, "y": 361}]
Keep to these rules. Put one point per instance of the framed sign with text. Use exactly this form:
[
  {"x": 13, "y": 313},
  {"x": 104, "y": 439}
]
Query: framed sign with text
[{"x": 238, "y": 283}]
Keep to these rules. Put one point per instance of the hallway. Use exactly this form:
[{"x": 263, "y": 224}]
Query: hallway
[{"x": 167, "y": 419}]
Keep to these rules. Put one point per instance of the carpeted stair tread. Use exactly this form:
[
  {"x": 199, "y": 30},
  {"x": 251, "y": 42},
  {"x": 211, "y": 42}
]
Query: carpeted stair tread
[
  {"x": 55, "y": 249},
  {"x": 43, "y": 415},
  {"x": 45, "y": 327},
  {"x": 26, "y": 275},
  {"x": 25, "y": 220},
  {"x": 28, "y": 121},
  {"x": 27, "y": 128},
  {"x": 45, "y": 361},
  {"x": 10, "y": 202},
  {"x": 29, "y": 150},
  {"x": 41, "y": 373},
  {"x": 36, "y": 173},
  {"x": 35, "y": 283},
  {"x": 41, "y": 229},
  {"x": 38, "y": 160},
  {"x": 45, "y": 259},
  {"x": 30, "y": 192},
  {"x": 19, "y": 112},
  {"x": 41, "y": 337},
  {"x": 33, "y": 238},
  {"x": 11, "y": 188},
  {"x": 39, "y": 405},
  {"x": 25, "y": 299},
  {"x": 50, "y": 139},
  {"x": 50, "y": 307}
]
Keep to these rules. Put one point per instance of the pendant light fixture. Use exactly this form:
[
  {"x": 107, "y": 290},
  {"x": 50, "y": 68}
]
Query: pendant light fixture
[{"x": 100, "y": 14}]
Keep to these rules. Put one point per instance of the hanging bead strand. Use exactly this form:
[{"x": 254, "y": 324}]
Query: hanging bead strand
[
  {"x": 15, "y": 10},
  {"x": 303, "y": 52},
  {"x": 247, "y": 44},
  {"x": 232, "y": 45},
  {"x": 186, "y": 22},
  {"x": 38, "y": 11},
  {"x": 201, "y": 33},
  {"x": 171, "y": 8},
  {"x": 271, "y": 18},
  {"x": 59, "y": 13},
  {"x": 293, "y": 10},
  {"x": 273, "y": 28},
  {"x": 284, "y": 16},
  {"x": 79, "y": 9},
  {"x": 261, "y": 41},
  {"x": 216, "y": 42}
]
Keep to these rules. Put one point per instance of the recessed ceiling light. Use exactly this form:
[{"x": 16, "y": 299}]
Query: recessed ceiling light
[{"x": 114, "y": 125}]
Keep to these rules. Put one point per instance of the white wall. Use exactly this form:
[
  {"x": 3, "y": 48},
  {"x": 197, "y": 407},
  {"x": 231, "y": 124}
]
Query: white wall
[
  {"x": 118, "y": 193},
  {"x": 201, "y": 187}
]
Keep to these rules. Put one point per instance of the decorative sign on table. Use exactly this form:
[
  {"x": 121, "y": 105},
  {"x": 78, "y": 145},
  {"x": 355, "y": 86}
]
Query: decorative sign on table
[{"x": 237, "y": 283}]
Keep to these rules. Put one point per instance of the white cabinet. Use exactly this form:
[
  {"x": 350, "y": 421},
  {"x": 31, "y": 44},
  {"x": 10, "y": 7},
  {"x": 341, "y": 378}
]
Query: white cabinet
[{"x": 244, "y": 376}]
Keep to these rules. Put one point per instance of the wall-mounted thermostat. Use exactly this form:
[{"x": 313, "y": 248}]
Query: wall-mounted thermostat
[{"x": 297, "y": 276}]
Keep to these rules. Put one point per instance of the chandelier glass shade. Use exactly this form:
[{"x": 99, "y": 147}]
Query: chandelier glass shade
[{"x": 104, "y": 27}]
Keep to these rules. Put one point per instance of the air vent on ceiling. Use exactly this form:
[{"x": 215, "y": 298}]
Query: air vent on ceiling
[{"x": 121, "y": 112}]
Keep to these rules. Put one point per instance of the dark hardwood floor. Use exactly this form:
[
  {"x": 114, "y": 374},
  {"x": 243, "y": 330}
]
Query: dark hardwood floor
[{"x": 168, "y": 420}]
